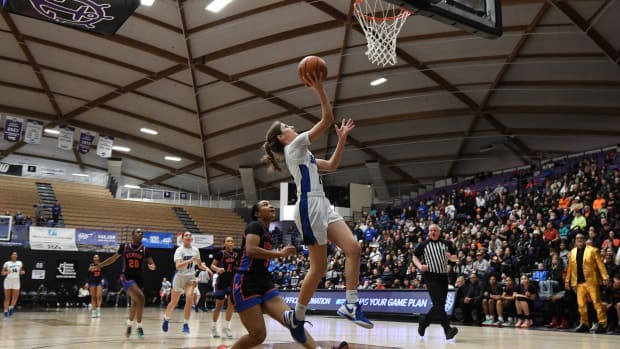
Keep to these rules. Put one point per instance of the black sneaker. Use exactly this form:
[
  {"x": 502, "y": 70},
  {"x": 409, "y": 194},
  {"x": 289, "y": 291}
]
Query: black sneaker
[
  {"x": 140, "y": 332},
  {"x": 582, "y": 328},
  {"x": 422, "y": 325},
  {"x": 601, "y": 329},
  {"x": 451, "y": 332},
  {"x": 128, "y": 332}
]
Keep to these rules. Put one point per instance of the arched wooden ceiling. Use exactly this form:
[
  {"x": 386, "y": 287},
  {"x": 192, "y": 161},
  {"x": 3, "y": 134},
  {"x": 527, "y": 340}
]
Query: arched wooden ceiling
[{"x": 211, "y": 84}]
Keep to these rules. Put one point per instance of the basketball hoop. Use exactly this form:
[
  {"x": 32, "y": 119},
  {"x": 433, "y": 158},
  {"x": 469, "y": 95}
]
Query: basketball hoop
[{"x": 381, "y": 23}]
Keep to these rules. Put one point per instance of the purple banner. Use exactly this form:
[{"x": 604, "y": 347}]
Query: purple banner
[
  {"x": 87, "y": 139},
  {"x": 13, "y": 128},
  {"x": 383, "y": 301},
  {"x": 19, "y": 236}
]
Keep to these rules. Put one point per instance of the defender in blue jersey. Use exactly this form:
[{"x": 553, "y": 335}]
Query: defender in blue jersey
[
  {"x": 314, "y": 216},
  {"x": 134, "y": 256},
  {"x": 253, "y": 290}
]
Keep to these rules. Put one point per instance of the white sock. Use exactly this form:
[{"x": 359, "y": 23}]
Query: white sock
[
  {"x": 11, "y": 307},
  {"x": 129, "y": 322},
  {"x": 185, "y": 321},
  {"x": 139, "y": 325},
  {"x": 300, "y": 311},
  {"x": 228, "y": 324},
  {"x": 351, "y": 296},
  {"x": 500, "y": 318},
  {"x": 214, "y": 327}
]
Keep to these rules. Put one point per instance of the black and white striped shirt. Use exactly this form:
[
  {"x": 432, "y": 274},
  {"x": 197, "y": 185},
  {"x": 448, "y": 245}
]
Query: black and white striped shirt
[{"x": 433, "y": 254}]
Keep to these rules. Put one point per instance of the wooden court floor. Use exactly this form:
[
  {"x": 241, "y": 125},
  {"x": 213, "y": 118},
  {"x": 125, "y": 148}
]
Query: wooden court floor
[{"x": 74, "y": 329}]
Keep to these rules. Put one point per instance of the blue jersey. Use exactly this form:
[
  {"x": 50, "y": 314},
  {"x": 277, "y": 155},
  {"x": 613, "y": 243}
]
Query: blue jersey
[{"x": 302, "y": 165}]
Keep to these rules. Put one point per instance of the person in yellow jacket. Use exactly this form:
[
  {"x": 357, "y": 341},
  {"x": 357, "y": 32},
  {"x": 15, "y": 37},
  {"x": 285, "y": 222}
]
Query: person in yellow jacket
[{"x": 585, "y": 273}]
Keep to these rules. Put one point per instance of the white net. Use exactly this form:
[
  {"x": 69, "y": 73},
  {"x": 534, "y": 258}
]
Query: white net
[{"x": 381, "y": 23}]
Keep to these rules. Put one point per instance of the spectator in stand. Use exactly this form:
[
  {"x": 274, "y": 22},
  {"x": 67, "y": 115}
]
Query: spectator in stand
[
  {"x": 611, "y": 241},
  {"x": 598, "y": 203},
  {"x": 19, "y": 218},
  {"x": 472, "y": 303},
  {"x": 56, "y": 212},
  {"x": 576, "y": 204},
  {"x": 525, "y": 294},
  {"x": 39, "y": 212},
  {"x": 578, "y": 224},
  {"x": 584, "y": 275},
  {"x": 481, "y": 265},
  {"x": 507, "y": 304},
  {"x": 83, "y": 296},
  {"x": 551, "y": 236},
  {"x": 612, "y": 304},
  {"x": 609, "y": 260},
  {"x": 164, "y": 291},
  {"x": 491, "y": 301}
]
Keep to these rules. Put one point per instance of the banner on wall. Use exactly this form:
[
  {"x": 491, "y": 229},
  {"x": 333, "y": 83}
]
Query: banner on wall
[
  {"x": 99, "y": 16},
  {"x": 87, "y": 138},
  {"x": 199, "y": 240},
  {"x": 97, "y": 240},
  {"x": 19, "y": 236},
  {"x": 152, "y": 239},
  {"x": 34, "y": 132},
  {"x": 104, "y": 146},
  {"x": 44, "y": 238},
  {"x": 383, "y": 301},
  {"x": 66, "y": 269},
  {"x": 13, "y": 128},
  {"x": 10, "y": 170},
  {"x": 65, "y": 137}
]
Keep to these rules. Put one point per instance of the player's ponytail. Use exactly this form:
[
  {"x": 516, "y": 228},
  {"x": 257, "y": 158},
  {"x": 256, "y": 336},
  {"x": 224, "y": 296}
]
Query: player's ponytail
[{"x": 274, "y": 150}]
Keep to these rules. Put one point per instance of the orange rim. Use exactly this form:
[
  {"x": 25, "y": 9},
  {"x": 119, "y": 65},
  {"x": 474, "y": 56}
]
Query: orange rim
[{"x": 403, "y": 13}]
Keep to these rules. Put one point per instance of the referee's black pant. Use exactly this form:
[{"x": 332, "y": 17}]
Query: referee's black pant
[{"x": 437, "y": 285}]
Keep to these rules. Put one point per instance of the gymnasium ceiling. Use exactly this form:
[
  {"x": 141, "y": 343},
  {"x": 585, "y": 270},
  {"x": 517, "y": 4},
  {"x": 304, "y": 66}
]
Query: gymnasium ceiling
[{"x": 211, "y": 84}]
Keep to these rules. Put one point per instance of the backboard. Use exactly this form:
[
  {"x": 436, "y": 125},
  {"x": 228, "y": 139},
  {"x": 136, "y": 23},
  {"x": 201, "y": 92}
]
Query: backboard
[{"x": 480, "y": 17}]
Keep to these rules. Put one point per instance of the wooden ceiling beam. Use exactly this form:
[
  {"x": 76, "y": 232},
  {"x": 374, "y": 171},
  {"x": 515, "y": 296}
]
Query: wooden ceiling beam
[
  {"x": 196, "y": 100},
  {"x": 17, "y": 35},
  {"x": 589, "y": 30},
  {"x": 498, "y": 78}
]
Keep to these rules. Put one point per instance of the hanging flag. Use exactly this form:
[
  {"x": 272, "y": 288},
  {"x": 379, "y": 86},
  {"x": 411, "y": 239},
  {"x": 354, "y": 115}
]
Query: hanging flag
[
  {"x": 13, "y": 128},
  {"x": 104, "y": 146},
  {"x": 87, "y": 138},
  {"x": 65, "y": 138},
  {"x": 34, "y": 132},
  {"x": 99, "y": 16}
]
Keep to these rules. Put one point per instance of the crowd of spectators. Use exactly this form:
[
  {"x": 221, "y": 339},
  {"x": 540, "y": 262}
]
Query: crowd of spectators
[{"x": 516, "y": 233}]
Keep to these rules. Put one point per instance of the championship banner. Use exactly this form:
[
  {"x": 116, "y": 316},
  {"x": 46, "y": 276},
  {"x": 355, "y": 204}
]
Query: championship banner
[
  {"x": 200, "y": 240},
  {"x": 104, "y": 146},
  {"x": 66, "y": 269},
  {"x": 99, "y": 16},
  {"x": 97, "y": 240},
  {"x": 11, "y": 170},
  {"x": 34, "y": 132},
  {"x": 158, "y": 240},
  {"x": 87, "y": 138},
  {"x": 65, "y": 138},
  {"x": 44, "y": 238},
  {"x": 13, "y": 128},
  {"x": 383, "y": 301}
]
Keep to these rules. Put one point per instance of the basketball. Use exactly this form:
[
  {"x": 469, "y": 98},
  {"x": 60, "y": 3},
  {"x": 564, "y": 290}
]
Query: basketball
[{"x": 311, "y": 64}]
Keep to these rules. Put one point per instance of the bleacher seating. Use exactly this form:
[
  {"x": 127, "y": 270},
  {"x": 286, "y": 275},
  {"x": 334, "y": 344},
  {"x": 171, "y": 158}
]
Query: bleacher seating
[
  {"x": 91, "y": 206},
  {"x": 217, "y": 221},
  {"x": 17, "y": 194}
]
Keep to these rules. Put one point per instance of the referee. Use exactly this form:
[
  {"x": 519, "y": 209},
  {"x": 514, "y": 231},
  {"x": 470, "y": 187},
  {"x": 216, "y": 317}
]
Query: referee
[{"x": 431, "y": 257}]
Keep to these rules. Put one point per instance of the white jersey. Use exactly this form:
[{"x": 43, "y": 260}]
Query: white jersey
[
  {"x": 184, "y": 254},
  {"x": 302, "y": 166},
  {"x": 14, "y": 268}
]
